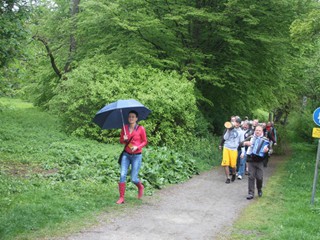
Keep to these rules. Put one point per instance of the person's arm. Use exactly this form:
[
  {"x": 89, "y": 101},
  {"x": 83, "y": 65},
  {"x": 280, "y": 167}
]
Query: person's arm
[
  {"x": 122, "y": 138},
  {"x": 250, "y": 144},
  {"x": 140, "y": 140},
  {"x": 222, "y": 140},
  {"x": 274, "y": 136},
  {"x": 227, "y": 134},
  {"x": 241, "y": 140},
  {"x": 143, "y": 135}
]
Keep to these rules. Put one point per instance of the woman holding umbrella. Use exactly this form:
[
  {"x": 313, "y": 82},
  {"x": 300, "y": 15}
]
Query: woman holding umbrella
[{"x": 134, "y": 138}]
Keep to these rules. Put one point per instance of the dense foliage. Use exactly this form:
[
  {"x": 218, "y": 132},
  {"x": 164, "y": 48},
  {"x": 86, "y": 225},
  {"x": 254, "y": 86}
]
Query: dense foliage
[
  {"x": 193, "y": 63},
  {"x": 12, "y": 16},
  {"x": 237, "y": 56},
  {"x": 62, "y": 158},
  {"x": 13, "y": 33},
  {"x": 300, "y": 126},
  {"x": 97, "y": 82}
]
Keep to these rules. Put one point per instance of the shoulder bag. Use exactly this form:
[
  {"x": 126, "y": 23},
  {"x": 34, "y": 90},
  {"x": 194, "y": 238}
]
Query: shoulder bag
[{"x": 120, "y": 157}]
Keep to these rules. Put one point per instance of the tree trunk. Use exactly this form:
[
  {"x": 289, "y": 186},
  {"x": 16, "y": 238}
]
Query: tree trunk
[
  {"x": 52, "y": 59},
  {"x": 74, "y": 10},
  {"x": 270, "y": 117},
  {"x": 277, "y": 115}
]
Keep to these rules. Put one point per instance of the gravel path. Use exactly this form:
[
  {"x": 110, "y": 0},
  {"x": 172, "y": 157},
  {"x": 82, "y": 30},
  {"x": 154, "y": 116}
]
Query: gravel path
[{"x": 198, "y": 209}]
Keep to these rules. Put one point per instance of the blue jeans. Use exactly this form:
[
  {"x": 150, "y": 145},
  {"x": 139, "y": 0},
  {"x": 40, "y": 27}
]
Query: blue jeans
[
  {"x": 135, "y": 161},
  {"x": 242, "y": 165}
]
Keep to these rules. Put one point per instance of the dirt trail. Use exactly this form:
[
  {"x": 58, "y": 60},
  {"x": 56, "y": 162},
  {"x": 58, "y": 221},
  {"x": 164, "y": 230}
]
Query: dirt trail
[{"x": 198, "y": 209}]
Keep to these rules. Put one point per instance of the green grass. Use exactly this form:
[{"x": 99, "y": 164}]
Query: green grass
[
  {"x": 49, "y": 179},
  {"x": 285, "y": 210},
  {"x": 52, "y": 183}
]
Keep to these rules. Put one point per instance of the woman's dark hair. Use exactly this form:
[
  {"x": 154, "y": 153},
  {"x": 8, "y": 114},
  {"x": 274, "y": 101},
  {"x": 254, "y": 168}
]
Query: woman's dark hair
[{"x": 134, "y": 112}]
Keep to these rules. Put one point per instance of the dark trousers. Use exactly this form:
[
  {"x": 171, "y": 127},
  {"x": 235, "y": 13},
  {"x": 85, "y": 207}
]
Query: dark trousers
[
  {"x": 265, "y": 161},
  {"x": 255, "y": 175}
]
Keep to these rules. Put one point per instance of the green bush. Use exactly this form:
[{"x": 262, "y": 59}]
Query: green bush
[
  {"x": 97, "y": 82},
  {"x": 282, "y": 134},
  {"x": 261, "y": 115},
  {"x": 45, "y": 152},
  {"x": 300, "y": 126}
]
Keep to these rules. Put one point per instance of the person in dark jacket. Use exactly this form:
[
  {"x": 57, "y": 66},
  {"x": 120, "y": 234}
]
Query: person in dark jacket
[
  {"x": 247, "y": 131},
  {"x": 258, "y": 148}
]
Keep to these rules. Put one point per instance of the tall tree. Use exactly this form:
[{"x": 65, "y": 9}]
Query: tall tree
[
  {"x": 12, "y": 16},
  {"x": 238, "y": 53},
  {"x": 305, "y": 32},
  {"x": 58, "y": 34}
]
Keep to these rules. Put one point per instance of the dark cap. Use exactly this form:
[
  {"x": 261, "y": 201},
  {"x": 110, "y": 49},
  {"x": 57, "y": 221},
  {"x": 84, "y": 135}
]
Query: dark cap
[{"x": 238, "y": 120}]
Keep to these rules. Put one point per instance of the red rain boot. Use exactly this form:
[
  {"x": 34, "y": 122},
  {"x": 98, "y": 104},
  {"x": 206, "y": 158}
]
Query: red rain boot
[
  {"x": 140, "y": 189},
  {"x": 122, "y": 190}
]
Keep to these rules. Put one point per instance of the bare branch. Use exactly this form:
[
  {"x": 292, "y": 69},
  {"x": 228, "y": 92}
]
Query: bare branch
[{"x": 52, "y": 60}]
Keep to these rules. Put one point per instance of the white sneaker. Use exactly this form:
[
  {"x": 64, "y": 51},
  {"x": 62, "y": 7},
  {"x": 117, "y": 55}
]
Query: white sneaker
[{"x": 240, "y": 177}]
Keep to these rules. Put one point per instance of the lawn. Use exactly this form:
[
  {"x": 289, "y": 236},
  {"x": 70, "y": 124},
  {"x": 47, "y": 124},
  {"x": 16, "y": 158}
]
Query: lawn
[{"x": 49, "y": 179}]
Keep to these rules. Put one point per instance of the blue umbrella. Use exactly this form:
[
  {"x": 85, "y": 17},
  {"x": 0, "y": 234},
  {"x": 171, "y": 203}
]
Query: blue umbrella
[{"x": 115, "y": 115}]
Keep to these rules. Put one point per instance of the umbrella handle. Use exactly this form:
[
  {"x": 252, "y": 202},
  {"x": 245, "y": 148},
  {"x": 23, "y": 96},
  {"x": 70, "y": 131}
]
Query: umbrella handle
[{"x": 123, "y": 122}]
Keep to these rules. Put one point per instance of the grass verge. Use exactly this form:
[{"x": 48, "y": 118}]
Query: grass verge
[{"x": 285, "y": 211}]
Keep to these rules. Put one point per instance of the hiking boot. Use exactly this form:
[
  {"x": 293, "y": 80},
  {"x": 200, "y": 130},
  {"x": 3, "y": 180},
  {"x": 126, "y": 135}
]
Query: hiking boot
[
  {"x": 250, "y": 196},
  {"x": 228, "y": 180},
  {"x": 233, "y": 178},
  {"x": 260, "y": 193}
]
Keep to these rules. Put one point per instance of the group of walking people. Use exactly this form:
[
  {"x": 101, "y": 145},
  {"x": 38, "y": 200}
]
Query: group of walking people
[{"x": 247, "y": 146}]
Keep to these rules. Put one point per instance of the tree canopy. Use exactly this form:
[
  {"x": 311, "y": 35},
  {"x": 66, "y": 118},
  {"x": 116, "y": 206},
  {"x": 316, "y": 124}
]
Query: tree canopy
[
  {"x": 195, "y": 63},
  {"x": 13, "y": 14}
]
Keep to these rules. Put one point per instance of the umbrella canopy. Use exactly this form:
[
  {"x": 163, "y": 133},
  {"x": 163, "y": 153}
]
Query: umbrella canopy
[{"x": 115, "y": 115}]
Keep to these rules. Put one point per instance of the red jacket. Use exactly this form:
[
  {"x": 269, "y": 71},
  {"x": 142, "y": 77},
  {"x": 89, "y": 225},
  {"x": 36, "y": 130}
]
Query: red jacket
[{"x": 139, "y": 138}]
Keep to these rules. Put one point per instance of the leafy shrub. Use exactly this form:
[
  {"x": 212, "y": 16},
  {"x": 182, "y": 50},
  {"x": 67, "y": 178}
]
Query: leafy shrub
[
  {"x": 46, "y": 156},
  {"x": 97, "y": 82},
  {"x": 46, "y": 153},
  {"x": 161, "y": 166},
  {"x": 261, "y": 115},
  {"x": 204, "y": 151},
  {"x": 282, "y": 134},
  {"x": 300, "y": 126}
]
